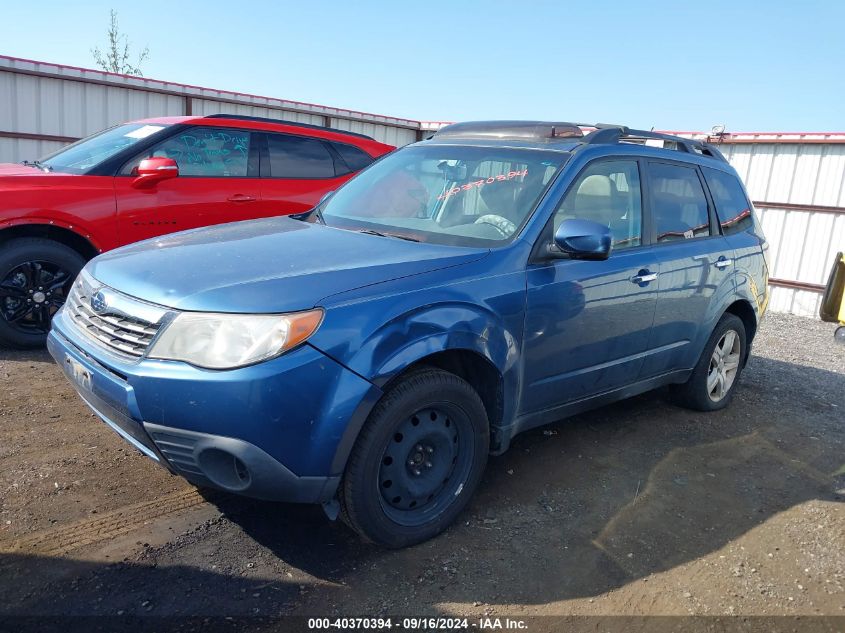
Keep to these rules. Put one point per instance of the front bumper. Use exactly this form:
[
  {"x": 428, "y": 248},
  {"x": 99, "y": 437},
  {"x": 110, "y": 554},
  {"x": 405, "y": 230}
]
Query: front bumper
[
  {"x": 271, "y": 431},
  {"x": 236, "y": 466}
]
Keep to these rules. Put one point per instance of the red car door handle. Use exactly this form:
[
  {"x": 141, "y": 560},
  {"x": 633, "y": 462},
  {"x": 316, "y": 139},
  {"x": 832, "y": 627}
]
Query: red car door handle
[{"x": 239, "y": 197}]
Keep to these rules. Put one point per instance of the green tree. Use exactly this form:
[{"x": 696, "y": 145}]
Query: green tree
[{"x": 116, "y": 56}]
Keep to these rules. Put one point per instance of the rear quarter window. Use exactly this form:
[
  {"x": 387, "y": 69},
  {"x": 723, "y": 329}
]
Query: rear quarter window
[
  {"x": 732, "y": 206},
  {"x": 354, "y": 158}
]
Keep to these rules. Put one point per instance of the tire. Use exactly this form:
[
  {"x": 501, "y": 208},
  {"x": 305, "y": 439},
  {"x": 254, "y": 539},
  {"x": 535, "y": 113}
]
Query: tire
[
  {"x": 417, "y": 461},
  {"x": 27, "y": 264},
  {"x": 700, "y": 392}
]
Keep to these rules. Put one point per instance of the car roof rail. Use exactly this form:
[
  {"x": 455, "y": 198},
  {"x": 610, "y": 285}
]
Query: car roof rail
[
  {"x": 606, "y": 134},
  {"x": 310, "y": 126},
  {"x": 513, "y": 130}
]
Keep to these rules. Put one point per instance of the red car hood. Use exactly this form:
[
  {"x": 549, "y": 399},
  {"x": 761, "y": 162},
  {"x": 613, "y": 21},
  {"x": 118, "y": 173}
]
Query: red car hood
[{"x": 16, "y": 169}]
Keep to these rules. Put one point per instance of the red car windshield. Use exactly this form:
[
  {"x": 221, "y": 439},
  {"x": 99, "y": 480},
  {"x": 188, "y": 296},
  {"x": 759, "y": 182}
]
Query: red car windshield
[{"x": 90, "y": 152}]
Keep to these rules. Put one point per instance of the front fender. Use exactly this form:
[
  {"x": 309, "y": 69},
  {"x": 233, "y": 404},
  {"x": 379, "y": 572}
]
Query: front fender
[
  {"x": 434, "y": 337},
  {"x": 84, "y": 205},
  {"x": 81, "y": 230},
  {"x": 431, "y": 330},
  {"x": 412, "y": 336},
  {"x": 380, "y": 332}
]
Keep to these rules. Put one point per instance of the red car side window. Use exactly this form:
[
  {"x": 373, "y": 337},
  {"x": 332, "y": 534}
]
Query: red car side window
[
  {"x": 299, "y": 157},
  {"x": 203, "y": 151}
]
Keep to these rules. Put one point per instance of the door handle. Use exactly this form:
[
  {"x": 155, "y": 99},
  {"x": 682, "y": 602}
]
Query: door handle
[
  {"x": 723, "y": 262},
  {"x": 643, "y": 277},
  {"x": 240, "y": 197}
]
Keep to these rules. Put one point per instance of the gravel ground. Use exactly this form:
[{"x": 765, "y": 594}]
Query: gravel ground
[{"x": 637, "y": 508}]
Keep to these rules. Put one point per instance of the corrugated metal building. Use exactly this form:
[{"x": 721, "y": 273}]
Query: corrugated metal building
[
  {"x": 44, "y": 106},
  {"x": 797, "y": 181}
]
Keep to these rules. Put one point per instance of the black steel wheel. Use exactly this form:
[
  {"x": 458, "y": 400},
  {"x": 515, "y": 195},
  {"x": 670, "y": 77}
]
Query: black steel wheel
[
  {"x": 422, "y": 466},
  {"x": 35, "y": 278},
  {"x": 417, "y": 460}
]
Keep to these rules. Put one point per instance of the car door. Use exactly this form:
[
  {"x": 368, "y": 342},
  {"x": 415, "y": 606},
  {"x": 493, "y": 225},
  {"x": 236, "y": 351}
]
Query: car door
[
  {"x": 217, "y": 183},
  {"x": 696, "y": 263},
  {"x": 297, "y": 171},
  {"x": 587, "y": 323}
]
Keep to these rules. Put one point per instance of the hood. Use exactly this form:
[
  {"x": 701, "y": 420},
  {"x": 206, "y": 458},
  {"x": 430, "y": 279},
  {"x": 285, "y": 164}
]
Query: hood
[
  {"x": 16, "y": 169},
  {"x": 272, "y": 265}
]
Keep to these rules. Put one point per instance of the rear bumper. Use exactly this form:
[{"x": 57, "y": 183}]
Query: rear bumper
[{"x": 271, "y": 431}]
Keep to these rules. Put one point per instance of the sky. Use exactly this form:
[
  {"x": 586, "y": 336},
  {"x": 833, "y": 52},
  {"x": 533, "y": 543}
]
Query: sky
[{"x": 679, "y": 65}]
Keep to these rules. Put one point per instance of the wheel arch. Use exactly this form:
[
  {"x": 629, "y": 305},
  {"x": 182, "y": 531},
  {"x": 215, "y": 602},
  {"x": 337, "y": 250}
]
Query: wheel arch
[
  {"x": 469, "y": 364},
  {"x": 742, "y": 308},
  {"x": 63, "y": 235},
  {"x": 473, "y": 367},
  {"x": 458, "y": 336},
  {"x": 465, "y": 338}
]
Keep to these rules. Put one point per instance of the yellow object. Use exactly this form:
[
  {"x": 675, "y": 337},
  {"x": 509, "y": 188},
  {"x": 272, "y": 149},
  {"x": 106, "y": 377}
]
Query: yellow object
[{"x": 832, "y": 308}]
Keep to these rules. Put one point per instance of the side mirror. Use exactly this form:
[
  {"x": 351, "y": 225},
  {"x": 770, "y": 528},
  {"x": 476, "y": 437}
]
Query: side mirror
[
  {"x": 582, "y": 239},
  {"x": 153, "y": 170}
]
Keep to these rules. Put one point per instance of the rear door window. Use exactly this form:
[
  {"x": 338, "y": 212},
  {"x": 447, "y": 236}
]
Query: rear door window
[
  {"x": 299, "y": 157},
  {"x": 732, "y": 206},
  {"x": 678, "y": 202}
]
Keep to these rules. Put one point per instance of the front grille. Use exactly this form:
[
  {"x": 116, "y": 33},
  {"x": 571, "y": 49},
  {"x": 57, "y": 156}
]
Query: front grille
[{"x": 117, "y": 329}]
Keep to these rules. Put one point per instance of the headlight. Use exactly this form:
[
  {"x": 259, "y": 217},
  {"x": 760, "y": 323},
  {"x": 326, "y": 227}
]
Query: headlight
[{"x": 226, "y": 341}]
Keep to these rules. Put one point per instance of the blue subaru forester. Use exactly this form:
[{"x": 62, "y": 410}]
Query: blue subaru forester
[{"x": 372, "y": 353}]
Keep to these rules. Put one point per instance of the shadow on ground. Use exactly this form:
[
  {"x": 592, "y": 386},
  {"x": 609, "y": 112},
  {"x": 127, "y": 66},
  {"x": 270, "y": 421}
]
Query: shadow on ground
[
  {"x": 572, "y": 510},
  {"x": 25, "y": 355},
  {"x": 584, "y": 506}
]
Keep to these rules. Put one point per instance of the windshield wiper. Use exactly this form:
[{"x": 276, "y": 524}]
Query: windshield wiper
[
  {"x": 400, "y": 237},
  {"x": 38, "y": 164}
]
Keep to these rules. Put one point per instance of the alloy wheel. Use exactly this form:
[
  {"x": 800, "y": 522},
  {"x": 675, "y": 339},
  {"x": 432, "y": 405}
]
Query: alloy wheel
[
  {"x": 724, "y": 365},
  {"x": 31, "y": 293}
]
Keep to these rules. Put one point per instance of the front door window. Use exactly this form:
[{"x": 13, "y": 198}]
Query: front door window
[{"x": 607, "y": 192}]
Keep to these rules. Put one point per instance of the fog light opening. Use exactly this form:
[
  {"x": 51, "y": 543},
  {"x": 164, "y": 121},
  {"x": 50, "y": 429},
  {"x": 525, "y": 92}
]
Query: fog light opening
[{"x": 224, "y": 469}]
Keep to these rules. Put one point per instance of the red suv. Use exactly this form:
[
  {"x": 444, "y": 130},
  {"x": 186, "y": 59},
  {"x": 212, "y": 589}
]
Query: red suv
[{"x": 143, "y": 179}]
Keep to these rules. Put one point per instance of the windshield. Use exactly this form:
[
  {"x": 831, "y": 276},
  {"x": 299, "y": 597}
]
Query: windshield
[
  {"x": 89, "y": 152},
  {"x": 447, "y": 194}
]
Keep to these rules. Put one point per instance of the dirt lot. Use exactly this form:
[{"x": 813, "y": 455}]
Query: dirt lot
[{"x": 637, "y": 508}]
